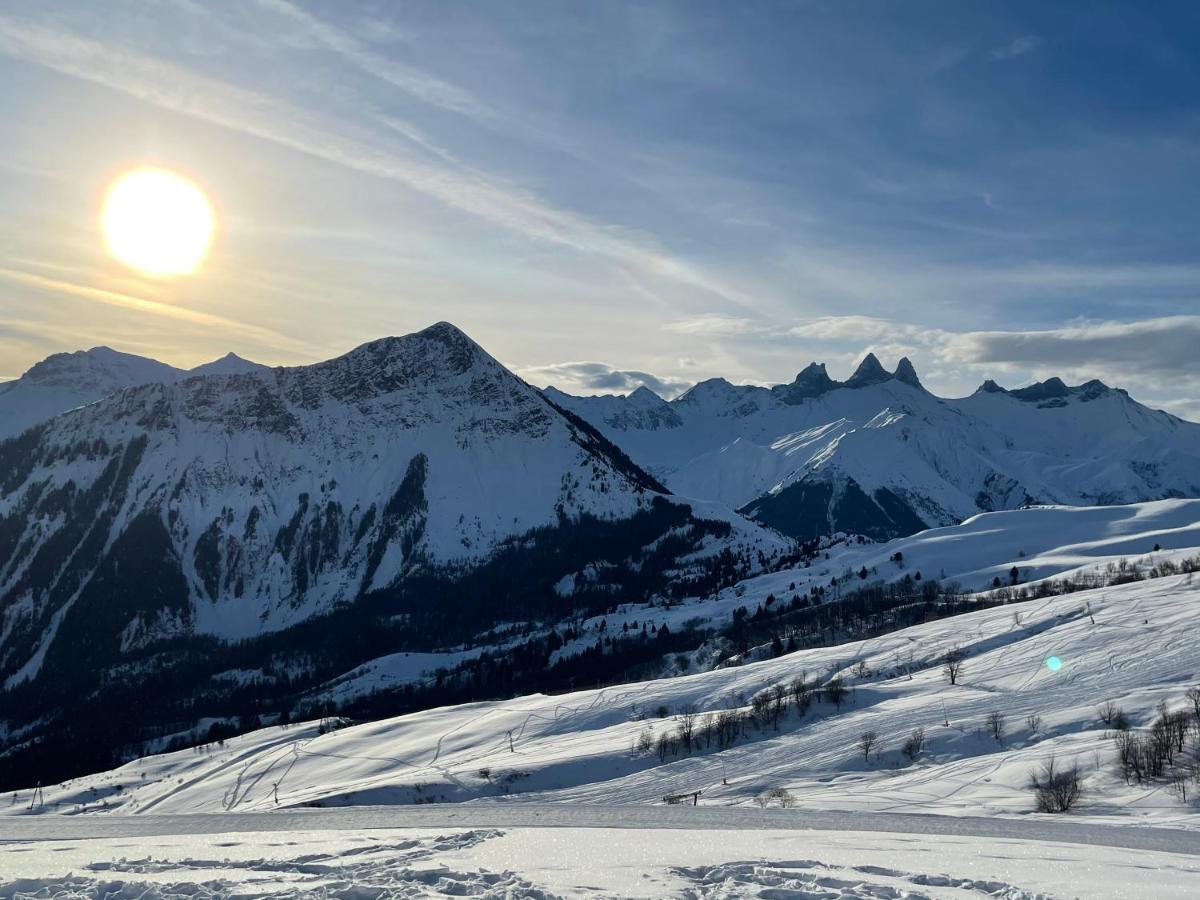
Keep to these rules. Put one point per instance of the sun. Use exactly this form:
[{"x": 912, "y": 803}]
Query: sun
[{"x": 158, "y": 222}]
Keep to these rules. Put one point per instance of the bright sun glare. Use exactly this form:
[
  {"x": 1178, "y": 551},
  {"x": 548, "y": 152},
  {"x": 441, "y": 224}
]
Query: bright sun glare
[{"x": 158, "y": 222}]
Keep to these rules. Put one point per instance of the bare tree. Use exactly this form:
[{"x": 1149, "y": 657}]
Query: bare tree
[
  {"x": 686, "y": 718},
  {"x": 995, "y": 725},
  {"x": 663, "y": 746},
  {"x": 1107, "y": 711},
  {"x": 914, "y": 744},
  {"x": 644, "y": 743},
  {"x": 1034, "y": 721},
  {"x": 1178, "y": 779},
  {"x": 800, "y": 693},
  {"x": 835, "y": 691},
  {"x": 779, "y": 694},
  {"x": 760, "y": 707},
  {"x": 952, "y": 664},
  {"x": 866, "y": 743},
  {"x": 1193, "y": 694},
  {"x": 1055, "y": 790}
]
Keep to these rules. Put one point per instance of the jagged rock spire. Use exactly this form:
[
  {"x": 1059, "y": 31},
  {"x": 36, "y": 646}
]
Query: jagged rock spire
[
  {"x": 907, "y": 373},
  {"x": 812, "y": 381},
  {"x": 869, "y": 371}
]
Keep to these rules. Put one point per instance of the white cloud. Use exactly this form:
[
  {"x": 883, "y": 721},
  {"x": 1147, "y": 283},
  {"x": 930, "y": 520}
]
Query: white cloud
[
  {"x": 1162, "y": 346},
  {"x": 716, "y": 325},
  {"x": 600, "y": 378},
  {"x": 415, "y": 82}
]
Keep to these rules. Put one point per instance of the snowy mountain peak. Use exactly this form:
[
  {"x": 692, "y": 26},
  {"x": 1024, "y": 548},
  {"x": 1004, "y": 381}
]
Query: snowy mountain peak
[
  {"x": 98, "y": 365},
  {"x": 229, "y": 364},
  {"x": 64, "y": 381},
  {"x": 1049, "y": 389},
  {"x": 907, "y": 373},
  {"x": 440, "y": 357},
  {"x": 645, "y": 397},
  {"x": 1053, "y": 391},
  {"x": 709, "y": 390},
  {"x": 870, "y": 371},
  {"x": 812, "y": 381}
]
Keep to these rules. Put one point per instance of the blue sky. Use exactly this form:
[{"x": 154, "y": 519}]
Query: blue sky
[{"x": 610, "y": 193}]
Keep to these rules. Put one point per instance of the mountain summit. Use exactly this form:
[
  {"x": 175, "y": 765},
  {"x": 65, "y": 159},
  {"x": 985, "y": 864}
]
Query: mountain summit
[{"x": 409, "y": 494}]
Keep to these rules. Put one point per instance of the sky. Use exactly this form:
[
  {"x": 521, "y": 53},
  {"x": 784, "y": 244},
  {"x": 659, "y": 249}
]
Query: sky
[{"x": 612, "y": 194}]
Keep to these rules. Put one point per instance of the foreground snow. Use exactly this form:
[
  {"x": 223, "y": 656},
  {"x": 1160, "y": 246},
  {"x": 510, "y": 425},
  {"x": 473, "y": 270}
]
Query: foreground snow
[{"x": 588, "y": 862}]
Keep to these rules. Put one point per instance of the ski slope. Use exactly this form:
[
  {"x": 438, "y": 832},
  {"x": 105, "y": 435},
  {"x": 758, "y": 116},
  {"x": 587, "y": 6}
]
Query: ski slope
[
  {"x": 1040, "y": 542},
  {"x": 1132, "y": 644}
]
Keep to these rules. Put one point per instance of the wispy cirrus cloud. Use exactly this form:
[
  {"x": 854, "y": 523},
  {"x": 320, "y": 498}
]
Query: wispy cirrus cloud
[
  {"x": 1016, "y": 47},
  {"x": 221, "y": 324},
  {"x": 346, "y": 142},
  {"x": 411, "y": 80}
]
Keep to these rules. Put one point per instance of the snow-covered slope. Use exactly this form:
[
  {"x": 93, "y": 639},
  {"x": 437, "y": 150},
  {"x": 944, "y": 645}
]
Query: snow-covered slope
[
  {"x": 880, "y": 455},
  {"x": 66, "y": 381},
  {"x": 1038, "y": 543},
  {"x": 1131, "y": 644}
]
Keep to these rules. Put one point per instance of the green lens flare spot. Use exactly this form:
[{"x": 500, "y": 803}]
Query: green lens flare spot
[{"x": 1053, "y": 663}]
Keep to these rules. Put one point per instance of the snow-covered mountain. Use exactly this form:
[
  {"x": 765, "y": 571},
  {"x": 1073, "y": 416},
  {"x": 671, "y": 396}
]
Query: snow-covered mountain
[
  {"x": 410, "y": 492},
  {"x": 880, "y": 455},
  {"x": 65, "y": 381}
]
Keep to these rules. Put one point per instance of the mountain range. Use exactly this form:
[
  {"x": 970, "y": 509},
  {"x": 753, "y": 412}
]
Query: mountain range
[
  {"x": 179, "y": 547},
  {"x": 880, "y": 455}
]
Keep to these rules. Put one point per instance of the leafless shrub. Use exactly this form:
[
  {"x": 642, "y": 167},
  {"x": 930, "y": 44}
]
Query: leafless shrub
[
  {"x": 1107, "y": 712},
  {"x": 995, "y": 725},
  {"x": 914, "y": 744},
  {"x": 644, "y": 742},
  {"x": 1034, "y": 722},
  {"x": 776, "y": 795},
  {"x": 1055, "y": 790},
  {"x": 835, "y": 691}
]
